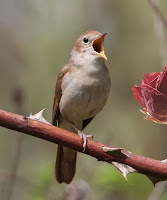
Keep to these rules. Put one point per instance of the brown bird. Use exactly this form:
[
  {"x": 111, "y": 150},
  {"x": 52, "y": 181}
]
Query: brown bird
[{"x": 81, "y": 92}]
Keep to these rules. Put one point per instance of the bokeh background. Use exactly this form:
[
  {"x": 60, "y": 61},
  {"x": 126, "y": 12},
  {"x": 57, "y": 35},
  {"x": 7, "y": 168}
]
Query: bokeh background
[{"x": 36, "y": 38}]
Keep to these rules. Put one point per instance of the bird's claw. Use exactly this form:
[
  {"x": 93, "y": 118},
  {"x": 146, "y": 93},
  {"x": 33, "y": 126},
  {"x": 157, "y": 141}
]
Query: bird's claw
[{"x": 84, "y": 138}]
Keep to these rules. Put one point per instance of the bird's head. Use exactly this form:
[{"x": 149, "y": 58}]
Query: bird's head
[{"x": 89, "y": 45}]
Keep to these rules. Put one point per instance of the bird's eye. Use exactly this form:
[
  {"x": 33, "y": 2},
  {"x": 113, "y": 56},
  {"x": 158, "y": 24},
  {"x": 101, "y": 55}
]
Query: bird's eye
[{"x": 85, "y": 40}]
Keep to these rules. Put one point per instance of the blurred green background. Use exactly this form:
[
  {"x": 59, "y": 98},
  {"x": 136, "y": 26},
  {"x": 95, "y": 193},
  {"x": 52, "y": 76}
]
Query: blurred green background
[{"x": 36, "y": 38}]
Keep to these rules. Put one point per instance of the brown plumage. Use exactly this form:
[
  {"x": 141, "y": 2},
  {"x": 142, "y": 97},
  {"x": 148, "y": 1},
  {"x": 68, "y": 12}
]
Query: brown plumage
[
  {"x": 64, "y": 167},
  {"x": 82, "y": 90}
]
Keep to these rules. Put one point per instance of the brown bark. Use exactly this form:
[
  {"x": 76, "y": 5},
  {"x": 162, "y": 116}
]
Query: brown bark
[{"x": 150, "y": 167}]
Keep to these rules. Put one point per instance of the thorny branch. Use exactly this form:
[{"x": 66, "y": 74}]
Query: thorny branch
[{"x": 125, "y": 161}]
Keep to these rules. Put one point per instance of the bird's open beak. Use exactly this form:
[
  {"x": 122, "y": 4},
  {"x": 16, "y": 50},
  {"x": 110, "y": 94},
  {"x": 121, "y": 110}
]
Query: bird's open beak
[{"x": 98, "y": 46}]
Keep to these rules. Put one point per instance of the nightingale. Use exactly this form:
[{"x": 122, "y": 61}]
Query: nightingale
[{"x": 82, "y": 89}]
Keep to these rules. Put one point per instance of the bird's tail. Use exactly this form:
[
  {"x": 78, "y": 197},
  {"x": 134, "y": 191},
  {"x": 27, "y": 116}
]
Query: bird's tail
[{"x": 65, "y": 164}]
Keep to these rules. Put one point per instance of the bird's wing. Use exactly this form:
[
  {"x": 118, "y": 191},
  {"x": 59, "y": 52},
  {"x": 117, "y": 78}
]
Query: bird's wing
[
  {"x": 57, "y": 97},
  {"x": 58, "y": 94}
]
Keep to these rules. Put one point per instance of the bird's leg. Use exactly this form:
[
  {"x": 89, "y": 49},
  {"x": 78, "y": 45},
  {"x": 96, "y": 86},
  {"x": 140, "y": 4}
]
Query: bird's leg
[{"x": 82, "y": 136}]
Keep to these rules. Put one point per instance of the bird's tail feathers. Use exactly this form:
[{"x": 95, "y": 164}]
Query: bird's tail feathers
[{"x": 65, "y": 164}]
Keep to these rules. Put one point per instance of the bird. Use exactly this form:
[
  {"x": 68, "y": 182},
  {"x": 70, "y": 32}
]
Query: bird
[{"x": 81, "y": 91}]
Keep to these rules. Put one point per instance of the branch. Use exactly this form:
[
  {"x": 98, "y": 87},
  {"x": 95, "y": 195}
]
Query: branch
[
  {"x": 159, "y": 20},
  {"x": 157, "y": 11},
  {"x": 154, "y": 169}
]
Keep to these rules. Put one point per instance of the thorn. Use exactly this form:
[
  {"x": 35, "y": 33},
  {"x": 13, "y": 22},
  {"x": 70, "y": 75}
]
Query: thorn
[
  {"x": 124, "y": 169},
  {"x": 115, "y": 152},
  {"x": 164, "y": 161},
  {"x": 39, "y": 117}
]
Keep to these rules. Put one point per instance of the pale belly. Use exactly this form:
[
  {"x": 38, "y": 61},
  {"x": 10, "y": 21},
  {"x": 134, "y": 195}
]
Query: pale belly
[{"x": 83, "y": 99}]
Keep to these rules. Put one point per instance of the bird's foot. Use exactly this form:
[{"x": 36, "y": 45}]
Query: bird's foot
[{"x": 83, "y": 137}]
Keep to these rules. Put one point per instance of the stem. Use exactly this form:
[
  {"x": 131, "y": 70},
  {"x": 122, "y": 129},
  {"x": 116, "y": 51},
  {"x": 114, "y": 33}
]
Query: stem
[{"x": 150, "y": 167}]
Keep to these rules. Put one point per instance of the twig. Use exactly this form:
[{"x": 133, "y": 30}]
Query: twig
[
  {"x": 157, "y": 11},
  {"x": 154, "y": 169},
  {"x": 159, "y": 21}
]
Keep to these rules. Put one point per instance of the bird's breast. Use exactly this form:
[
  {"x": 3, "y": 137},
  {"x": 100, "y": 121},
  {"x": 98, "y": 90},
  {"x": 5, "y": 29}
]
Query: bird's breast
[{"x": 84, "y": 94}]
